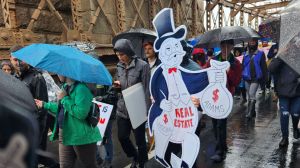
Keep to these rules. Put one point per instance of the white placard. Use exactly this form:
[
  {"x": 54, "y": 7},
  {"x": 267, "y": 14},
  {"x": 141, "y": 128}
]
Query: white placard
[
  {"x": 105, "y": 112},
  {"x": 135, "y": 102}
]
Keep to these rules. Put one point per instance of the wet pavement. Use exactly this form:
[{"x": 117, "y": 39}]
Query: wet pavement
[{"x": 251, "y": 144}]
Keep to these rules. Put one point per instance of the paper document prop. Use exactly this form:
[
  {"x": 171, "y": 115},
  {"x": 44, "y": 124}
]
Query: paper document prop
[
  {"x": 105, "y": 112},
  {"x": 134, "y": 98},
  {"x": 173, "y": 117}
]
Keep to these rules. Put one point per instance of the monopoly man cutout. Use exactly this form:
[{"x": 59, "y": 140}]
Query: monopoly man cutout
[{"x": 173, "y": 117}]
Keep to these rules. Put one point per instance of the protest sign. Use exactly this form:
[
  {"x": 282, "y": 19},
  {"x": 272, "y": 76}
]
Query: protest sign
[{"x": 105, "y": 112}]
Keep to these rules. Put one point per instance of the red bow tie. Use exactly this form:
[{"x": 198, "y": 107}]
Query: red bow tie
[{"x": 172, "y": 70}]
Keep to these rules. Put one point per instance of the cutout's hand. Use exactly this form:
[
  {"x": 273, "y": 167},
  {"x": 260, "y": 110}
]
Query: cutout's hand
[
  {"x": 218, "y": 71},
  {"x": 216, "y": 75},
  {"x": 166, "y": 105}
]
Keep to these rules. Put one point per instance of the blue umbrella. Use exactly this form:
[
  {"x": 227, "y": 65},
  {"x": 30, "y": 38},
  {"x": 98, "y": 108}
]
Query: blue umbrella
[
  {"x": 66, "y": 61},
  {"x": 194, "y": 41}
]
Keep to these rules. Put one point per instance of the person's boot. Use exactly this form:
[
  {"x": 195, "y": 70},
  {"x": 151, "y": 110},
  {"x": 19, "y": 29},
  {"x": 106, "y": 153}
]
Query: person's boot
[
  {"x": 251, "y": 109},
  {"x": 218, "y": 157},
  {"x": 141, "y": 165},
  {"x": 134, "y": 163},
  {"x": 284, "y": 142},
  {"x": 248, "y": 110},
  {"x": 243, "y": 101},
  {"x": 296, "y": 132}
]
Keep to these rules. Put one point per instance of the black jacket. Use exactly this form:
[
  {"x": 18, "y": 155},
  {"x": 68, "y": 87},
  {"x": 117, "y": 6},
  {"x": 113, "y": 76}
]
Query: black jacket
[
  {"x": 287, "y": 81},
  {"x": 36, "y": 83},
  {"x": 137, "y": 71}
]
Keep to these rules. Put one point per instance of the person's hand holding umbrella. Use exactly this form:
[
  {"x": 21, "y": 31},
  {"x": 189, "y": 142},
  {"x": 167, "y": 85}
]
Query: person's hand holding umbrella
[{"x": 39, "y": 103}]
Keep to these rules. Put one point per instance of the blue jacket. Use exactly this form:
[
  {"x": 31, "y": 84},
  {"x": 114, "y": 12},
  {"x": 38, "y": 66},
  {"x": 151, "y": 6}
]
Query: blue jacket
[
  {"x": 250, "y": 72},
  {"x": 195, "y": 83}
]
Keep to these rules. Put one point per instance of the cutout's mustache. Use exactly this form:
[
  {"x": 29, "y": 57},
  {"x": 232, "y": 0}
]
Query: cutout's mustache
[{"x": 178, "y": 53}]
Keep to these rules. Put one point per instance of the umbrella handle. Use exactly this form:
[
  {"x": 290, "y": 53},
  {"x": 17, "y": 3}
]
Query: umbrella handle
[{"x": 220, "y": 65}]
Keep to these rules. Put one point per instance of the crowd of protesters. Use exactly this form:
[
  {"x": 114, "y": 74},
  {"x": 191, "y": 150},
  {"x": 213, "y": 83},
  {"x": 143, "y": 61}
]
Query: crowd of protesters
[{"x": 251, "y": 67}]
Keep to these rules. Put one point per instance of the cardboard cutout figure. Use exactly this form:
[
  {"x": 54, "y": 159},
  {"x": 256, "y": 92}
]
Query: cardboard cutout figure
[{"x": 173, "y": 117}]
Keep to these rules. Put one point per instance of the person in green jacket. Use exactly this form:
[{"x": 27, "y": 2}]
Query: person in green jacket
[{"x": 77, "y": 138}]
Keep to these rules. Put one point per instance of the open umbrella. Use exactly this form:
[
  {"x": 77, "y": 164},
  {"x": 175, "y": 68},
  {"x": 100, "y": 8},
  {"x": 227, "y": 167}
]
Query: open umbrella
[
  {"x": 194, "y": 41},
  {"x": 239, "y": 34},
  {"x": 289, "y": 46},
  {"x": 270, "y": 29},
  {"x": 137, "y": 36},
  {"x": 18, "y": 127},
  {"x": 66, "y": 61},
  {"x": 290, "y": 22}
]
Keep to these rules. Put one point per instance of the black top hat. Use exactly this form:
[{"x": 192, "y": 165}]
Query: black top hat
[{"x": 164, "y": 26}]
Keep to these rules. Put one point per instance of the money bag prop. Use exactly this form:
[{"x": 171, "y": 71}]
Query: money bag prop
[
  {"x": 216, "y": 100},
  {"x": 173, "y": 118}
]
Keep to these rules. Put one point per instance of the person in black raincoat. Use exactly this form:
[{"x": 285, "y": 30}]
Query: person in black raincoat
[
  {"x": 288, "y": 90},
  {"x": 130, "y": 71},
  {"x": 36, "y": 83}
]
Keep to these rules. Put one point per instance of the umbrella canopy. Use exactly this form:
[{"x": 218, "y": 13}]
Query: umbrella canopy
[
  {"x": 289, "y": 46},
  {"x": 137, "y": 36},
  {"x": 270, "y": 29},
  {"x": 239, "y": 34},
  {"x": 290, "y": 22},
  {"x": 66, "y": 61},
  {"x": 194, "y": 41},
  {"x": 16, "y": 118}
]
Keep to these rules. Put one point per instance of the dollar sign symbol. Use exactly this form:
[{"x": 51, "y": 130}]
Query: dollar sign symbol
[
  {"x": 215, "y": 95},
  {"x": 165, "y": 118}
]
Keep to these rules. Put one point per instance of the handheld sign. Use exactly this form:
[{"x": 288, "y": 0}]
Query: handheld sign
[
  {"x": 105, "y": 112},
  {"x": 134, "y": 98}
]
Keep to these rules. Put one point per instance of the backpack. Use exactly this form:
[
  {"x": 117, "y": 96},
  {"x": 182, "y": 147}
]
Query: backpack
[{"x": 94, "y": 115}]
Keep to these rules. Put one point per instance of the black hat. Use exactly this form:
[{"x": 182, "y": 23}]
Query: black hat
[{"x": 164, "y": 26}]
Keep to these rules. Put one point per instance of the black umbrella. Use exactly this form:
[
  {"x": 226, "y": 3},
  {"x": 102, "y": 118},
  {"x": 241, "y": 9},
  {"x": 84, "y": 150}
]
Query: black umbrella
[
  {"x": 138, "y": 36},
  {"x": 239, "y": 34},
  {"x": 289, "y": 46},
  {"x": 18, "y": 127}
]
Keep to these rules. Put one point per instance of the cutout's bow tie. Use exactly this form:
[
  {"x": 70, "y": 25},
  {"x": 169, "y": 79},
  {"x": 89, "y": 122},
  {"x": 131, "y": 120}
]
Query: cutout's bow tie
[{"x": 172, "y": 70}]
